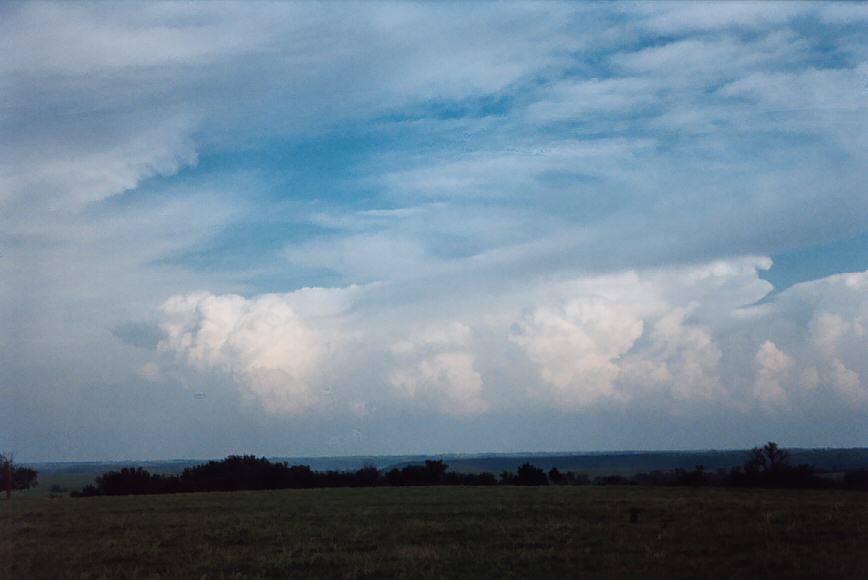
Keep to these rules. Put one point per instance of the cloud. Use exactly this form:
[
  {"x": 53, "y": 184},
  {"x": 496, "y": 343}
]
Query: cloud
[
  {"x": 623, "y": 338},
  {"x": 265, "y": 344},
  {"x": 683, "y": 339},
  {"x": 139, "y": 334},
  {"x": 435, "y": 367},
  {"x": 89, "y": 40},
  {"x": 447, "y": 377},
  {"x": 685, "y": 356},
  {"x": 150, "y": 371},
  {"x": 578, "y": 99},
  {"x": 588, "y": 192},
  {"x": 576, "y": 346},
  {"x": 773, "y": 372},
  {"x": 513, "y": 171},
  {"x": 69, "y": 176},
  {"x": 362, "y": 258},
  {"x": 678, "y": 17},
  {"x": 827, "y": 346},
  {"x": 685, "y": 336}
]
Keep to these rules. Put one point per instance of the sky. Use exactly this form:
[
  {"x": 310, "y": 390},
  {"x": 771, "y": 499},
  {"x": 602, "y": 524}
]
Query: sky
[{"x": 308, "y": 229}]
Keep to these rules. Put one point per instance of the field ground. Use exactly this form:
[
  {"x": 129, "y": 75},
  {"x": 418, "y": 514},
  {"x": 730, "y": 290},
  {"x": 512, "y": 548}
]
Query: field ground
[
  {"x": 441, "y": 532},
  {"x": 65, "y": 481}
]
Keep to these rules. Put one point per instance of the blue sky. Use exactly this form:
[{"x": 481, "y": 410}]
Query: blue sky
[{"x": 396, "y": 228}]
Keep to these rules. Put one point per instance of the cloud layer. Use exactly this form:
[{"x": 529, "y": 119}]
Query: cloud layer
[
  {"x": 426, "y": 218},
  {"x": 677, "y": 339}
]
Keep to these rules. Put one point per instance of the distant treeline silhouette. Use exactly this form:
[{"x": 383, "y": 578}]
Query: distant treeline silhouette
[
  {"x": 766, "y": 467},
  {"x": 247, "y": 472}
]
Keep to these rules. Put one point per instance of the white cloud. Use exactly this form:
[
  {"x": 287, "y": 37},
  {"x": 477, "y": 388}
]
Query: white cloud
[
  {"x": 96, "y": 39},
  {"x": 574, "y": 100},
  {"x": 577, "y": 346},
  {"x": 435, "y": 367},
  {"x": 679, "y": 339},
  {"x": 806, "y": 90},
  {"x": 69, "y": 176},
  {"x": 680, "y": 17},
  {"x": 832, "y": 342},
  {"x": 685, "y": 354},
  {"x": 694, "y": 62},
  {"x": 624, "y": 337},
  {"x": 448, "y": 378},
  {"x": 846, "y": 381},
  {"x": 773, "y": 368},
  {"x": 93, "y": 93},
  {"x": 286, "y": 350},
  {"x": 680, "y": 336},
  {"x": 150, "y": 371},
  {"x": 265, "y": 344}
]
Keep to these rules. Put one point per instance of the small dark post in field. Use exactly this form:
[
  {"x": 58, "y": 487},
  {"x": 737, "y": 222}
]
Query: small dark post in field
[{"x": 634, "y": 515}]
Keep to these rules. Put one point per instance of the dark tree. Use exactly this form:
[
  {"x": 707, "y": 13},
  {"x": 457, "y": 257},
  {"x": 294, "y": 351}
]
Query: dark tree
[
  {"x": 129, "y": 481},
  {"x": 777, "y": 457},
  {"x": 767, "y": 467},
  {"x": 435, "y": 470},
  {"x": 556, "y": 477},
  {"x": 768, "y": 458},
  {"x": 431, "y": 473},
  {"x": 691, "y": 478},
  {"x": 15, "y": 478},
  {"x": 757, "y": 461},
  {"x": 507, "y": 477},
  {"x": 367, "y": 476},
  {"x": 530, "y": 475}
]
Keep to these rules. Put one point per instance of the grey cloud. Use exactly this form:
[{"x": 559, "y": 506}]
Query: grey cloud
[{"x": 139, "y": 334}]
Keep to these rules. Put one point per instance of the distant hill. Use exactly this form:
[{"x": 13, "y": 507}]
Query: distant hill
[
  {"x": 622, "y": 462},
  {"x": 169, "y": 466},
  {"x": 631, "y": 462}
]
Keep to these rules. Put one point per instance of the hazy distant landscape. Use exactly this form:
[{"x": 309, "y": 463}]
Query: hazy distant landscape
[{"x": 72, "y": 476}]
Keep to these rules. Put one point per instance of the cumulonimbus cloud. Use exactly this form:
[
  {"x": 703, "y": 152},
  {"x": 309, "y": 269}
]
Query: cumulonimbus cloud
[
  {"x": 682, "y": 338},
  {"x": 436, "y": 366},
  {"x": 702, "y": 338},
  {"x": 274, "y": 346}
]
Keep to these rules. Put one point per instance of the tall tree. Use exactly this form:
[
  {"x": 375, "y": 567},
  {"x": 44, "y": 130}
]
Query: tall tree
[{"x": 14, "y": 478}]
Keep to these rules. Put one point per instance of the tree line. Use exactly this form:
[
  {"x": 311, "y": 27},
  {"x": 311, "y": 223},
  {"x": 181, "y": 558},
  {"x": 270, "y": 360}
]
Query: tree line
[
  {"x": 248, "y": 472},
  {"x": 766, "y": 466}
]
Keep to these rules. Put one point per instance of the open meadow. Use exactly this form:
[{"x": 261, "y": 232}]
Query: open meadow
[{"x": 429, "y": 532}]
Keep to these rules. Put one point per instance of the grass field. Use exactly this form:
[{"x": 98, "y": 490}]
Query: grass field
[
  {"x": 441, "y": 532},
  {"x": 66, "y": 481}
]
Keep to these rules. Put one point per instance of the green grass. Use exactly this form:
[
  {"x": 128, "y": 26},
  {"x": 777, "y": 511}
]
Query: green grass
[
  {"x": 68, "y": 481},
  {"x": 440, "y": 532}
]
